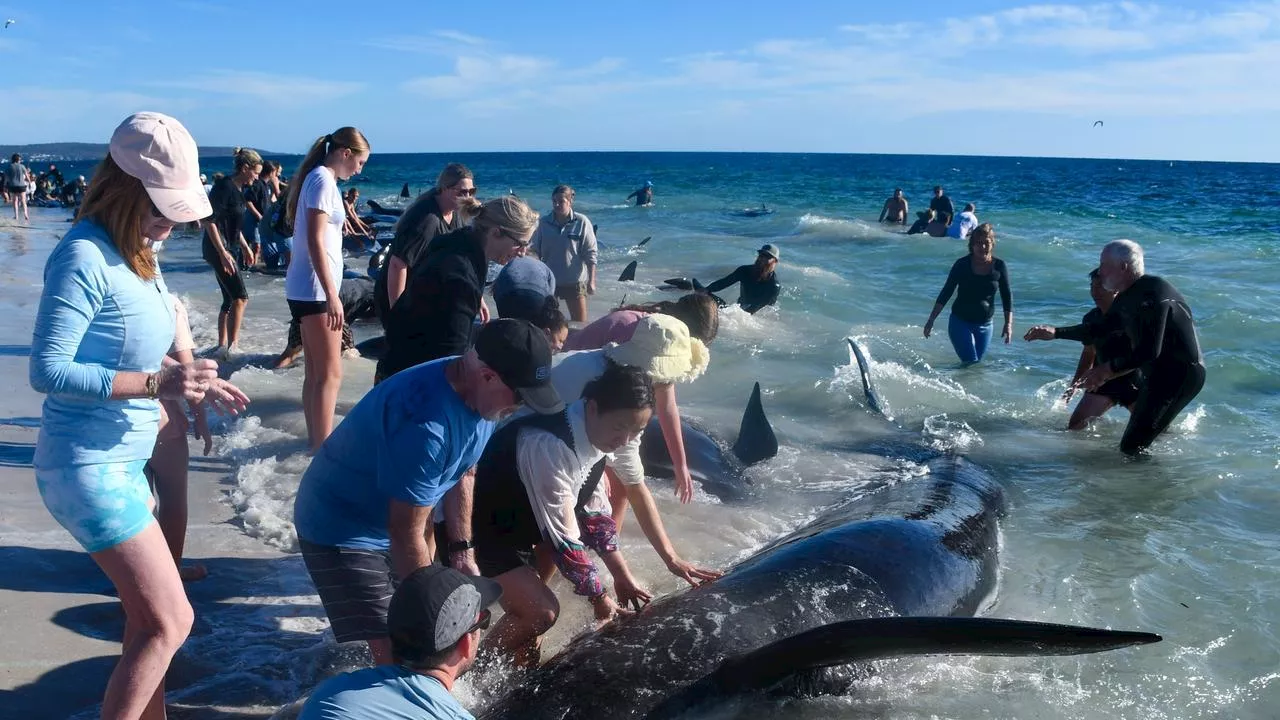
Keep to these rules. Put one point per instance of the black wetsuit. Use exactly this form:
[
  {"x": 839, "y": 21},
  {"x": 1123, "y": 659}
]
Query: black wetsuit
[
  {"x": 1093, "y": 331},
  {"x": 228, "y": 215},
  {"x": 1164, "y": 346},
  {"x": 643, "y": 196},
  {"x": 919, "y": 226},
  {"x": 943, "y": 209},
  {"x": 754, "y": 293}
]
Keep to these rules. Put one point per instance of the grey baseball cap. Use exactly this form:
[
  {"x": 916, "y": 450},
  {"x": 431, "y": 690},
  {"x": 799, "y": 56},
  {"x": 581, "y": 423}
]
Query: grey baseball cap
[
  {"x": 434, "y": 607},
  {"x": 771, "y": 250}
]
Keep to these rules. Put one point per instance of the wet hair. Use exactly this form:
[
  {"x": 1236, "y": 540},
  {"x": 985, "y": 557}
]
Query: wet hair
[
  {"x": 246, "y": 158},
  {"x": 970, "y": 207},
  {"x": 119, "y": 203},
  {"x": 549, "y": 317},
  {"x": 621, "y": 387},
  {"x": 937, "y": 188},
  {"x": 344, "y": 137},
  {"x": 985, "y": 231},
  {"x": 563, "y": 190},
  {"x": 1127, "y": 252},
  {"x": 698, "y": 311},
  {"x": 509, "y": 213}
]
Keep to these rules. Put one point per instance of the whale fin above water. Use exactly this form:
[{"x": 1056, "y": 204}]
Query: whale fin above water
[
  {"x": 873, "y": 397},
  {"x": 629, "y": 272},
  {"x": 644, "y": 241},
  {"x": 756, "y": 440},
  {"x": 677, "y": 284},
  {"x": 404, "y": 191},
  {"x": 857, "y": 641}
]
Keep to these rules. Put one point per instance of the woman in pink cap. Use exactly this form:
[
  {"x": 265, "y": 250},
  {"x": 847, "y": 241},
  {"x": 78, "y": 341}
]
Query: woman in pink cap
[
  {"x": 98, "y": 353},
  {"x": 316, "y": 212}
]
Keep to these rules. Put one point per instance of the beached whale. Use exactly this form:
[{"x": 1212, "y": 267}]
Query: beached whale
[
  {"x": 895, "y": 572},
  {"x": 382, "y": 209},
  {"x": 718, "y": 469}
]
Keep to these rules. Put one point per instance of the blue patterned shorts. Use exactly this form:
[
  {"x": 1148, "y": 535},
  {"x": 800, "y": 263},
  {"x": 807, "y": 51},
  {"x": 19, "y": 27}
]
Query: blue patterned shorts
[{"x": 100, "y": 505}]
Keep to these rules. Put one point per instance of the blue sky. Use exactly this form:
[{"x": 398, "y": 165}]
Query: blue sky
[{"x": 1175, "y": 80}]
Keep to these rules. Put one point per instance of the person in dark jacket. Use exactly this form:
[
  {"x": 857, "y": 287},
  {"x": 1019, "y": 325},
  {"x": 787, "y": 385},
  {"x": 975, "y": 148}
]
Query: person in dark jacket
[
  {"x": 758, "y": 282},
  {"x": 975, "y": 278},
  {"x": 435, "y": 315}
]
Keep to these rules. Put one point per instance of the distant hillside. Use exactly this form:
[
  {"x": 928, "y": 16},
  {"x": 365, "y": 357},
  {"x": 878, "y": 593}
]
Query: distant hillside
[{"x": 76, "y": 152}]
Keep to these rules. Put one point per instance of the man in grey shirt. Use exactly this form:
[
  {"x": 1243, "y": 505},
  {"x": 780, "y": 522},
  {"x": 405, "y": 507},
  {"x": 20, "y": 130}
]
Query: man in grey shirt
[{"x": 566, "y": 242}]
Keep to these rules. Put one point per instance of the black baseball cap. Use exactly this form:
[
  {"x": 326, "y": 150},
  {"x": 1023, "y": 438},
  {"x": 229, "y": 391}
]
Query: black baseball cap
[
  {"x": 433, "y": 608},
  {"x": 521, "y": 355}
]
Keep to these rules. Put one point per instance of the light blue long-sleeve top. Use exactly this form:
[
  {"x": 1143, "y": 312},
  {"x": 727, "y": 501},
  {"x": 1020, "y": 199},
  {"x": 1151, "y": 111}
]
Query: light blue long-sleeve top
[{"x": 96, "y": 318}]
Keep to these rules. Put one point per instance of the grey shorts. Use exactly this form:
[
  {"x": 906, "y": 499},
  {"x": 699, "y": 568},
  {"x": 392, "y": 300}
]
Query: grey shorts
[
  {"x": 572, "y": 291},
  {"x": 355, "y": 588}
]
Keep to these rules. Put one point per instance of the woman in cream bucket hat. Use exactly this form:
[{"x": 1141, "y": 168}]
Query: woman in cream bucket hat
[
  {"x": 98, "y": 353},
  {"x": 662, "y": 347}
]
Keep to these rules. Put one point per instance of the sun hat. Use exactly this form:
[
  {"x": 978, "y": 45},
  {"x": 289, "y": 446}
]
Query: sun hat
[
  {"x": 662, "y": 347},
  {"x": 434, "y": 607},
  {"x": 158, "y": 151}
]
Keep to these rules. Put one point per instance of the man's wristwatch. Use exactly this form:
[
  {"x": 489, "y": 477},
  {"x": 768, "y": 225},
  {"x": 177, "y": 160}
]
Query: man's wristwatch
[{"x": 459, "y": 546}]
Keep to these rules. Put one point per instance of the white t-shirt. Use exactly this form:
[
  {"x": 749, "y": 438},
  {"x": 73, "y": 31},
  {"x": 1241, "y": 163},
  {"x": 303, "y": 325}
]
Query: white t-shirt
[
  {"x": 964, "y": 224},
  {"x": 319, "y": 192}
]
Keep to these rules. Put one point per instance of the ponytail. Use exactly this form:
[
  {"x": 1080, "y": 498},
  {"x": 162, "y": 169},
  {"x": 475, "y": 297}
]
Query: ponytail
[{"x": 346, "y": 137}]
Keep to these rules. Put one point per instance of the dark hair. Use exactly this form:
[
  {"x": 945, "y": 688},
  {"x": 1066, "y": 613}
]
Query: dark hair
[
  {"x": 549, "y": 317},
  {"x": 1094, "y": 274},
  {"x": 970, "y": 207},
  {"x": 16, "y": 158},
  {"x": 621, "y": 387},
  {"x": 344, "y": 137},
  {"x": 985, "y": 230},
  {"x": 429, "y": 662},
  {"x": 698, "y": 311},
  {"x": 451, "y": 175},
  {"x": 563, "y": 189},
  {"x": 937, "y": 188}
]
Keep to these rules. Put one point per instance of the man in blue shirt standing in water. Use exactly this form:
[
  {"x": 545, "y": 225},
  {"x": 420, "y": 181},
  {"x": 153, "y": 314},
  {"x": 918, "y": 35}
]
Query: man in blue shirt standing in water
[{"x": 364, "y": 505}]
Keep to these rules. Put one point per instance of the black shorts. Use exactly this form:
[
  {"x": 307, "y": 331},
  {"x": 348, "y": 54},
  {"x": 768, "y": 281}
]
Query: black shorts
[
  {"x": 1122, "y": 390},
  {"x": 299, "y": 309},
  {"x": 355, "y": 588},
  {"x": 504, "y": 529},
  {"x": 572, "y": 291},
  {"x": 17, "y": 189},
  {"x": 231, "y": 284}
]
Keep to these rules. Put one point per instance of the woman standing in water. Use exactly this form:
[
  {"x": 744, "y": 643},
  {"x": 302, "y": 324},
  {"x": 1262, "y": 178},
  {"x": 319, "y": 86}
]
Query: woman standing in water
[
  {"x": 975, "y": 278},
  {"x": 314, "y": 277},
  {"x": 223, "y": 231},
  {"x": 102, "y": 330}
]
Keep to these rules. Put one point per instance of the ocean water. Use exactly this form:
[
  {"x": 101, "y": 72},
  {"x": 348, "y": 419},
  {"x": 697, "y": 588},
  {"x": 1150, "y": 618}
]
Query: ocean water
[{"x": 1182, "y": 543}]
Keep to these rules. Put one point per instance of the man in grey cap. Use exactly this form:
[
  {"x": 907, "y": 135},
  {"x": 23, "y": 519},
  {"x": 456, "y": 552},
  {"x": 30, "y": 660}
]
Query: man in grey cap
[
  {"x": 434, "y": 623},
  {"x": 759, "y": 281}
]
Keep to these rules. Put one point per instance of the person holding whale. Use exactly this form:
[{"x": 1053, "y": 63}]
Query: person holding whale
[
  {"x": 758, "y": 282},
  {"x": 539, "y": 481}
]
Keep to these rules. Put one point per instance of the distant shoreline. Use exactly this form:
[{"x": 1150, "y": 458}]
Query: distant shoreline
[{"x": 82, "y": 152}]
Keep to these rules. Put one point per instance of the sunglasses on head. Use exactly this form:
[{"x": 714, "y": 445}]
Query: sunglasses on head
[{"x": 482, "y": 623}]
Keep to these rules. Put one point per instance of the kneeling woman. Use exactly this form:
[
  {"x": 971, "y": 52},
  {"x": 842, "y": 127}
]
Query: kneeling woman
[{"x": 539, "y": 481}]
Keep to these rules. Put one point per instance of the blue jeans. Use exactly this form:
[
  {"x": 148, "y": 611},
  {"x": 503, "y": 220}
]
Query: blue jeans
[{"x": 969, "y": 339}]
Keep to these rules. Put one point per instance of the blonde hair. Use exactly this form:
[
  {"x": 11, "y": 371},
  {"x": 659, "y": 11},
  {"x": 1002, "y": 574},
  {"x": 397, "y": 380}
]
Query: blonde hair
[
  {"x": 984, "y": 231},
  {"x": 508, "y": 213},
  {"x": 119, "y": 203},
  {"x": 344, "y": 137},
  {"x": 246, "y": 158}
]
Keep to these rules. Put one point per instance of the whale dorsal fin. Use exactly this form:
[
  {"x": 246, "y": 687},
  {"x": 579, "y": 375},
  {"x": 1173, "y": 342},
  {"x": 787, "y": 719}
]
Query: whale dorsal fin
[
  {"x": 756, "y": 441},
  {"x": 629, "y": 272},
  {"x": 879, "y": 638}
]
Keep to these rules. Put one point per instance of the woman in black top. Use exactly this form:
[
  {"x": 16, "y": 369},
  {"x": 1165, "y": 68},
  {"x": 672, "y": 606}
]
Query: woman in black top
[
  {"x": 975, "y": 279},
  {"x": 222, "y": 231}
]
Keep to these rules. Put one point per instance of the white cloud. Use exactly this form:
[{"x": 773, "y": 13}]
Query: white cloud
[{"x": 279, "y": 90}]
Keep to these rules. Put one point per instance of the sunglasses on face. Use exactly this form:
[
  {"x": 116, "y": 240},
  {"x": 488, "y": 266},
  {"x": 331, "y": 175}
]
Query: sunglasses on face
[
  {"x": 467, "y": 192},
  {"x": 519, "y": 242},
  {"x": 483, "y": 622}
]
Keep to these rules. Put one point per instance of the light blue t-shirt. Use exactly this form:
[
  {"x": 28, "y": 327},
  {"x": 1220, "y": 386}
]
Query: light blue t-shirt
[
  {"x": 964, "y": 224},
  {"x": 526, "y": 274},
  {"x": 410, "y": 439},
  {"x": 96, "y": 317},
  {"x": 387, "y": 692}
]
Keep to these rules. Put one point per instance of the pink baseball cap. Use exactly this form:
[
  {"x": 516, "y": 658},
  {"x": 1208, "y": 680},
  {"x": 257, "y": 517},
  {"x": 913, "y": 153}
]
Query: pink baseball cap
[{"x": 157, "y": 150}]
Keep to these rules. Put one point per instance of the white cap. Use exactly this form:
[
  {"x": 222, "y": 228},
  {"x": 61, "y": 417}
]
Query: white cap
[{"x": 157, "y": 150}]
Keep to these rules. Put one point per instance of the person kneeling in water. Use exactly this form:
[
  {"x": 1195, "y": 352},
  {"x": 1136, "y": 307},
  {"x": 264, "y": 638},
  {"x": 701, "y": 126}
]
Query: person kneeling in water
[
  {"x": 1099, "y": 347},
  {"x": 539, "y": 480}
]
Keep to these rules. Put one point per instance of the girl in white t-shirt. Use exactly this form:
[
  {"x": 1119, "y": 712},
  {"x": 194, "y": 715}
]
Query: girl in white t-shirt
[{"x": 315, "y": 271}]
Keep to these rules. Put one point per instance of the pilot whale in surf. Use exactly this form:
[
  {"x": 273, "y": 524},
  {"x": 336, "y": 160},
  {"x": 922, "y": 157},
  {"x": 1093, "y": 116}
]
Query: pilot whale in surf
[
  {"x": 720, "y": 472},
  {"x": 895, "y": 572}
]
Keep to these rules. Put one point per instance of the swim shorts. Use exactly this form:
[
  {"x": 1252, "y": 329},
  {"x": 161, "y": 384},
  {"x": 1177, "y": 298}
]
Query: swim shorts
[
  {"x": 101, "y": 505},
  {"x": 572, "y": 291},
  {"x": 355, "y": 588}
]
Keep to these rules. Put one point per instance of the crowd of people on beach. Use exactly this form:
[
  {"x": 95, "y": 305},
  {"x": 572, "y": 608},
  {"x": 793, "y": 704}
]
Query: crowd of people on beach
[
  {"x": 22, "y": 188},
  {"x": 495, "y": 448}
]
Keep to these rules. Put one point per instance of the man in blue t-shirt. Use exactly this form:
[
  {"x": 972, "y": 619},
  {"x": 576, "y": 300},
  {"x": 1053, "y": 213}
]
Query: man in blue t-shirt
[
  {"x": 434, "y": 625},
  {"x": 365, "y": 502}
]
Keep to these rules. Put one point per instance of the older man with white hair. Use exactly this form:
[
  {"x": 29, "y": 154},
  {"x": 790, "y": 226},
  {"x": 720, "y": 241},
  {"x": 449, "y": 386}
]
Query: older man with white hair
[{"x": 1162, "y": 333}]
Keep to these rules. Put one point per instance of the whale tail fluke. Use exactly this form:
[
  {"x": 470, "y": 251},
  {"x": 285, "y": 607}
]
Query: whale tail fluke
[
  {"x": 629, "y": 272},
  {"x": 756, "y": 440},
  {"x": 879, "y": 638},
  {"x": 864, "y": 367}
]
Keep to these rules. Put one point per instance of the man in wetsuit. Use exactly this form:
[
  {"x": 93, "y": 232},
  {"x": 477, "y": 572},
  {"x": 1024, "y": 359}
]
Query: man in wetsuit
[
  {"x": 643, "y": 196},
  {"x": 895, "y": 209},
  {"x": 942, "y": 206},
  {"x": 1099, "y": 347},
  {"x": 759, "y": 281},
  {"x": 1164, "y": 346}
]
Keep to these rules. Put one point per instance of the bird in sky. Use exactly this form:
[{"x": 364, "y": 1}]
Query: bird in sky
[
  {"x": 1098, "y": 123},
  {"x": 9, "y": 22}
]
